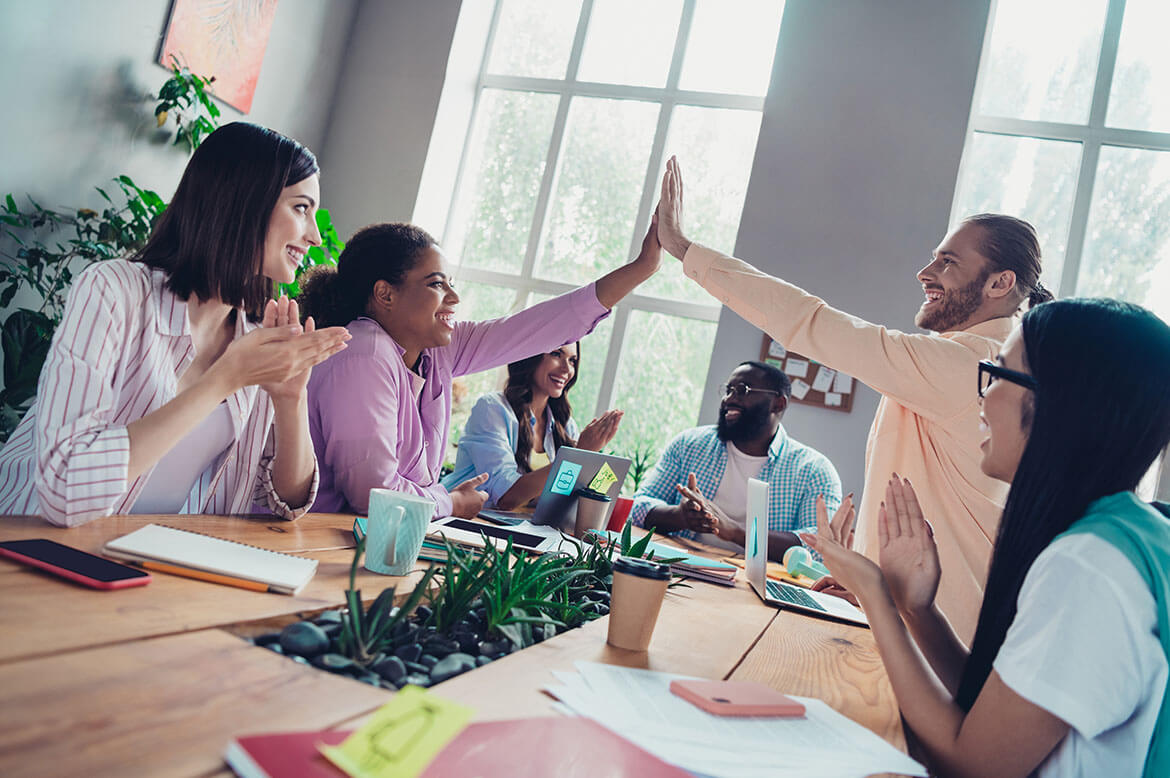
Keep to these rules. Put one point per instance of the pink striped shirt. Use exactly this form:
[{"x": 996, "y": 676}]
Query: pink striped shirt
[{"x": 123, "y": 343}]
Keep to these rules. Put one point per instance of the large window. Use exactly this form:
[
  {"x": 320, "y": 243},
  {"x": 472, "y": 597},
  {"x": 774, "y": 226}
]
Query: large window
[
  {"x": 1071, "y": 131},
  {"x": 576, "y": 107}
]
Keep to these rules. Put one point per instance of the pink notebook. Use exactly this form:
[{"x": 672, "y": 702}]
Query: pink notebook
[{"x": 517, "y": 748}]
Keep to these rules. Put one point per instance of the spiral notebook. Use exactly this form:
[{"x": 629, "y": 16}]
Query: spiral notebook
[{"x": 213, "y": 556}]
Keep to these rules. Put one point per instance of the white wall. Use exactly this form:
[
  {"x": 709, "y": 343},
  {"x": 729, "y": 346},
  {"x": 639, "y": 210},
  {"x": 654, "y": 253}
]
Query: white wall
[{"x": 854, "y": 175}]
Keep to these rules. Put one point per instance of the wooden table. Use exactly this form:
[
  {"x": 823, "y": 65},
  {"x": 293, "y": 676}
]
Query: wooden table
[{"x": 155, "y": 681}]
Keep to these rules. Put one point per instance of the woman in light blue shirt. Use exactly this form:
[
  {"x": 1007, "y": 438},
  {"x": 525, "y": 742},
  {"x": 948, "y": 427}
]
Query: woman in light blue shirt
[{"x": 517, "y": 456}]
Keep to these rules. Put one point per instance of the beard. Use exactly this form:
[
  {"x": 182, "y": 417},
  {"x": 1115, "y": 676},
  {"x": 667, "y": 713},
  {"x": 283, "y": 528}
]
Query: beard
[
  {"x": 751, "y": 422},
  {"x": 956, "y": 307}
]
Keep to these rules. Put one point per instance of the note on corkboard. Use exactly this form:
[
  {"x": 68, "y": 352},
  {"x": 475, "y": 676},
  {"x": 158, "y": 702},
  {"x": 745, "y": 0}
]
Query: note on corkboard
[{"x": 812, "y": 382}]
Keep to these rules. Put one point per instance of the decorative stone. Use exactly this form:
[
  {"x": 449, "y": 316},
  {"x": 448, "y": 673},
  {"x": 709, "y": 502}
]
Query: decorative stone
[
  {"x": 423, "y": 612},
  {"x": 274, "y": 647},
  {"x": 328, "y": 617},
  {"x": 416, "y": 667},
  {"x": 496, "y": 648},
  {"x": 409, "y": 653},
  {"x": 417, "y": 679},
  {"x": 452, "y": 666},
  {"x": 469, "y": 644},
  {"x": 391, "y": 668},
  {"x": 440, "y": 646},
  {"x": 334, "y": 663},
  {"x": 428, "y": 660},
  {"x": 267, "y": 639},
  {"x": 304, "y": 639},
  {"x": 482, "y": 660}
]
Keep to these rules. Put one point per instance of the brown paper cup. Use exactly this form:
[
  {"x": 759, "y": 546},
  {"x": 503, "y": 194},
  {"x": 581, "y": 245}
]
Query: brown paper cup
[
  {"x": 592, "y": 509},
  {"x": 638, "y": 588}
]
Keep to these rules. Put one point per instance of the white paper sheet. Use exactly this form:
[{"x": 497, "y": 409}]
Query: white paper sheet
[
  {"x": 638, "y": 705},
  {"x": 796, "y": 368},
  {"x": 824, "y": 380},
  {"x": 832, "y": 399},
  {"x": 843, "y": 384},
  {"x": 799, "y": 389},
  {"x": 776, "y": 350}
]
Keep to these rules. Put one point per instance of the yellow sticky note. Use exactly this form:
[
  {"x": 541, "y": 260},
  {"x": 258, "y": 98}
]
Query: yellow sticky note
[
  {"x": 402, "y": 737},
  {"x": 604, "y": 479}
]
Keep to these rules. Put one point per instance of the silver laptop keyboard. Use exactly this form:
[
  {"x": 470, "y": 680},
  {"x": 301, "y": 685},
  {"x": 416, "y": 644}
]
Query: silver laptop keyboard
[{"x": 792, "y": 595}]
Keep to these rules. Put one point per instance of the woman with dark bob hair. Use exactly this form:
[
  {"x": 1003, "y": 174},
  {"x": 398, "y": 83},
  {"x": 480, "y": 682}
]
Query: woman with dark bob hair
[
  {"x": 513, "y": 435},
  {"x": 379, "y": 413},
  {"x": 150, "y": 399},
  {"x": 1067, "y": 672}
]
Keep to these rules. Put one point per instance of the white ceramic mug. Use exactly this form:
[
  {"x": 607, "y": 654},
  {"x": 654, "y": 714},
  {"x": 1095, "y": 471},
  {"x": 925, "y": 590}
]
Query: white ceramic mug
[{"x": 395, "y": 530}]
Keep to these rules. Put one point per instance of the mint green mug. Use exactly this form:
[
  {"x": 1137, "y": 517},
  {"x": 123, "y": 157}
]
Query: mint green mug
[{"x": 395, "y": 530}]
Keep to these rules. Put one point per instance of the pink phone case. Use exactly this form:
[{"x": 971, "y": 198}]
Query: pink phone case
[
  {"x": 737, "y": 698},
  {"x": 73, "y": 575}
]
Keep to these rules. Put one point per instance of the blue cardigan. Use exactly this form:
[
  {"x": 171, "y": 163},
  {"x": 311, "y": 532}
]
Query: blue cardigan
[{"x": 488, "y": 445}]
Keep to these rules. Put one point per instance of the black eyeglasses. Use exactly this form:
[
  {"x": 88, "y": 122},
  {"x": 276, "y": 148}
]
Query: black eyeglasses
[
  {"x": 989, "y": 371},
  {"x": 742, "y": 390}
]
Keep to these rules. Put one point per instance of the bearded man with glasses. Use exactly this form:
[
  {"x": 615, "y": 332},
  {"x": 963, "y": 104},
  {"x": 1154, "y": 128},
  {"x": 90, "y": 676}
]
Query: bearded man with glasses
[
  {"x": 927, "y": 423},
  {"x": 698, "y": 489}
]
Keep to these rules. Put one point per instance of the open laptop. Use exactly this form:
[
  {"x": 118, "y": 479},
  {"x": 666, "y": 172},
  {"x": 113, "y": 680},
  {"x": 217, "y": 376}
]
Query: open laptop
[
  {"x": 778, "y": 593},
  {"x": 572, "y": 469}
]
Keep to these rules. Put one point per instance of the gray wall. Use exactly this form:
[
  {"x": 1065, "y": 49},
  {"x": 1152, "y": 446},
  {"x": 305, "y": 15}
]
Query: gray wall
[
  {"x": 854, "y": 175},
  {"x": 385, "y": 109},
  {"x": 75, "y": 73}
]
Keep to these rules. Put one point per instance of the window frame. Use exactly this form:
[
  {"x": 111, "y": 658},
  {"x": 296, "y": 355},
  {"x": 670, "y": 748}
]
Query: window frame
[
  {"x": 1092, "y": 135},
  {"x": 667, "y": 97}
]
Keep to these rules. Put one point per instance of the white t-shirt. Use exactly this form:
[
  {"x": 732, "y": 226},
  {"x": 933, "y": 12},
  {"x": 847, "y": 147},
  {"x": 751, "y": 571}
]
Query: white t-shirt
[
  {"x": 175, "y": 475},
  {"x": 731, "y": 496},
  {"x": 1084, "y": 646}
]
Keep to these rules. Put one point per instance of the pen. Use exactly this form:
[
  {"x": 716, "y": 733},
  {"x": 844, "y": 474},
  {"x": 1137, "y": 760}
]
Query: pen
[{"x": 202, "y": 575}]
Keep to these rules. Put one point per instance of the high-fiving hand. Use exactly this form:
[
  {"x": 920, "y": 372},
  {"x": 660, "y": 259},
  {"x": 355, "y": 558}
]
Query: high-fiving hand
[{"x": 670, "y": 211}]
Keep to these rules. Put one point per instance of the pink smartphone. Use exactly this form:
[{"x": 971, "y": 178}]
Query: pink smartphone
[
  {"x": 737, "y": 698},
  {"x": 73, "y": 564}
]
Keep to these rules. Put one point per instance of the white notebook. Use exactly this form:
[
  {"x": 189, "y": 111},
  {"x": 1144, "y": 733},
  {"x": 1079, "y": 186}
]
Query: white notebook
[{"x": 282, "y": 573}]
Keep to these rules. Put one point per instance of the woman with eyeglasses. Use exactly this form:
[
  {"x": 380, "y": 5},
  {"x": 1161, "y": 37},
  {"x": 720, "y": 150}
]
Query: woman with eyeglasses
[
  {"x": 1067, "y": 672},
  {"x": 379, "y": 415},
  {"x": 513, "y": 435}
]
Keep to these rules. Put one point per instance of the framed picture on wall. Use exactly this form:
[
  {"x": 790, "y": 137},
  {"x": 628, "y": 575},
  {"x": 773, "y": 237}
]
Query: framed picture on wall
[
  {"x": 224, "y": 39},
  {"x": 812, "y": 382}
]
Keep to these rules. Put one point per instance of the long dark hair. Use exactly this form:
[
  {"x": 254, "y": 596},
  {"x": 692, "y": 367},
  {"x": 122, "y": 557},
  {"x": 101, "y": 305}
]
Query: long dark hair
[
  {"x": 518, "y": 393},
  {"x": 210, "y": 239},
  {"x": 1012, "y": 244},
  {"x": 1100, "y": 416},
  {"x": 380, "y": 252}
]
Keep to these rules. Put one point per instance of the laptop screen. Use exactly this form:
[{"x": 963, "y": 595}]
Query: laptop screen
[{"x": 756, "y": 548}]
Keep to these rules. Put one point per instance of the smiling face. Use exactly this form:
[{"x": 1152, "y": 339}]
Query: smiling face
[
  {"x": 749, "y": 416},
  {"x": 421, "y": 313},
  {"x": 955, "y": 282},
  {"x": 555, "y": 373},
  {"x": 292, "y": 229},
  {"x": 1005, "y": 420}
]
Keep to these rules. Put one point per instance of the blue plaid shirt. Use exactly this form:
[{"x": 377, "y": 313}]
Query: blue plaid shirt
[{"x": 795, "y": 473}]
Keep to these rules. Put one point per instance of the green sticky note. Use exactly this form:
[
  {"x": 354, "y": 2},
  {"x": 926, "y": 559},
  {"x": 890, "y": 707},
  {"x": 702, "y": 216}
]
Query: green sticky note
[
  {"x": 604, "y": 479},
  {"x": 566, "y": 478},
  {"x": 402, "y": 737}
]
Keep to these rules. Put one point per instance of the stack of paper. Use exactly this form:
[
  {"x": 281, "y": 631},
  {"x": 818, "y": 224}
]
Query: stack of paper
[
  {"x": 689, "y": 565},
  {"x": 639, "y": 705}
]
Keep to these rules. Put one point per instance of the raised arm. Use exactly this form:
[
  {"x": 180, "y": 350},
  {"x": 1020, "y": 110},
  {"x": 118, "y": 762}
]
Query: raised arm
[{"x": 931, "y": 375}]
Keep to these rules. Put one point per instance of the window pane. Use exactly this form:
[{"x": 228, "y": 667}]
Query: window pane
[
  {"x": 1042, "y": 60},
  {"x": 477, "y": 302},
  {"x": 594, "y": 352},
  {"x": 715, "y": 148},
  {"x": 660, "y": 379},
  {"x": 731, "y": 46},
  {"x": 1025, "y": 177},
  {"x": 1127, "y": 242},
  {"x": 501, "y": 179},
  {"x": 1141, "y": 78},
  {"x": 617, "y": 29},
  {"x": 534, "y": 37},
  {"x": 595, "y": 201}
]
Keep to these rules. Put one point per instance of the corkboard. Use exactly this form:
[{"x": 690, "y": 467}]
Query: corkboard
[{"x": 806, "y": 373}]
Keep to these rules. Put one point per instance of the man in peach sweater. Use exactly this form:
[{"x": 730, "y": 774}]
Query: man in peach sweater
[{"x": 927, "y": 427}]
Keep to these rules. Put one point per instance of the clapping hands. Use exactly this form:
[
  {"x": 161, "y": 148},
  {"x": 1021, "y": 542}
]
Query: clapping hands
[{"x": 907, "y": 551}]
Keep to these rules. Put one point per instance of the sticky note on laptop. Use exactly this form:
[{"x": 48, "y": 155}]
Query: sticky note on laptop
[
  {"x": 566, "y": 478},
  {"x": 604, "y": 479}
]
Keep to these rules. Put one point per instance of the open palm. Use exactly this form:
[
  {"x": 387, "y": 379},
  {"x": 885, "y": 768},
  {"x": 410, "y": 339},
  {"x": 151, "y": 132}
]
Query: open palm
[{"x": 906, "y": 549}]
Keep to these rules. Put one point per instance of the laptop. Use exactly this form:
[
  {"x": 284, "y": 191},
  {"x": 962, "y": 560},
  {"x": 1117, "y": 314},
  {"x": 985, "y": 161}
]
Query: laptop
[
  {"x": 778, "y": 593},
  {"x": 572, "y": 469}
]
